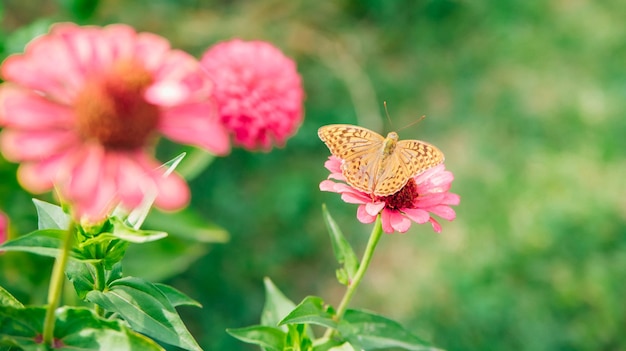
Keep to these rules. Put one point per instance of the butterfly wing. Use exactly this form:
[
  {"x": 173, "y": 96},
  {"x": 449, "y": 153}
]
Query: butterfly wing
[
  {"x": 410, "y": 158},
  {"x": 359, "y": 148}
]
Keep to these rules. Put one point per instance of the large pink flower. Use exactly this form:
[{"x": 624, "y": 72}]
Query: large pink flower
[
  {"x": 424, "y": 194},
  {"x": 83, "y": 105},
  {"x": 258, "y": 91}
]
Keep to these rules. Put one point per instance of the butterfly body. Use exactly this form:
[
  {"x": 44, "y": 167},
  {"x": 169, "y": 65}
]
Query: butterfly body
[{"x": 376, "y": 165}]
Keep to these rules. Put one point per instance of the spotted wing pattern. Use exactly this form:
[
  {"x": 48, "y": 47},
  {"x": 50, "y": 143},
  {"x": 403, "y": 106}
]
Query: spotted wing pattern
[
  {"x": 367, "y": 168},
  {"x": 410, "y": 158},
  {"x": 359, "y": 148}
]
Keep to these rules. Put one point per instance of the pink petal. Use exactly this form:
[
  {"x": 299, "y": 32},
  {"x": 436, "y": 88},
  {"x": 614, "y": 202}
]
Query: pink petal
[
  {"x": 130, "y": 179},
  {"x": 333, "y": 164},
  {"x": 96, "y": 207},
  {"x": 417, "y": 215},
  {"x": 151, "y": 50},
  {"x": 451, "y": 199},
  {"x": 167, "y": 93},
  {"x": 194, "y": 124},
  {"x": 173, "y": 192},
  {"x": 373, "y": 208},
  {"x": 25, "y": 109},
  {"x": 436, "y": 225},
  {"x": 120, "y": 39},
  {"x": 363, "y": 216},
  {"x": 386, "y": 221},
  {"x": 352, "y": 198},
  {"x": 327, "y": 185},
  {"x": 40, "y": 176},
  {"x": 399, "y": 222},
  {"x": 36, "y": 145},
  {"x": 87, "y": 174},
  {"x": 444, "y": 212}
]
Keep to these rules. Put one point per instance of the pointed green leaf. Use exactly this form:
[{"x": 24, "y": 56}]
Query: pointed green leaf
[
  {"x": 343, "y": 251},
  {"x": 51, "y": 216},
  {"x": 277, "y": 305},
  {"x": 6, "y": 299},
  {"x": 269, "y": 338},
  {"x": 136, "y": 217},
  {"x": 75, "y": 329},
  {"x": 188, "y": 225},
  {"x": 311, "y": 310},
  {"x": 197, "y": 160},
  {"x": 82, "y": 277},
  {"x": 146, "y": 309},
  {"x": 176, "y": 297},
  {"x": 369, "y": 331},
  {"x": 132, "y": 235},
  {"x": 45, "y": 242}
]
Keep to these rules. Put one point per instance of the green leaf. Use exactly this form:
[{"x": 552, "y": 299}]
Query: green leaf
[
  {"x": 122, "y": 231},
  {"x": 176, "y": 297},
  {"x": 197, "y": 160},
  {"x": 45, "y": 242},
  {"x": 297, "y": 338},
  {"x": 269, "y": 338},
  {"x": 146, "y": 309},
  {"x": 188, "y": 225},
  {"x": 136, "y": 217},
  {"x": 82, "y": 277},
  {"x": 75, "y": 329},
  {"x": 311, "y": 310},
  {"x": 277, "y": 305},
  {"x": 343, "y": 251},
  {"x": 51, "y": 216},
  {"x": 6, "y": 299},
  {"x": 369, "y": 331}
]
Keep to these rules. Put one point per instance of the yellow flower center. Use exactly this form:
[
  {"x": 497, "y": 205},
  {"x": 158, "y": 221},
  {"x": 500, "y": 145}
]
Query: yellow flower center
[{"x": 112, "y": 111}]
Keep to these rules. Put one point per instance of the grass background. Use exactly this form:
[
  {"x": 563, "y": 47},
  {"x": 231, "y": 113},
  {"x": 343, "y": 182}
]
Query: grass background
[{"x": 527, "y": 101}]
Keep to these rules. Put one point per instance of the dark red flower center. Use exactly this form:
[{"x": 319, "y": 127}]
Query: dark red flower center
[
  {"x": 112, "y": 111},
  {"x": 403, "y": 198}
]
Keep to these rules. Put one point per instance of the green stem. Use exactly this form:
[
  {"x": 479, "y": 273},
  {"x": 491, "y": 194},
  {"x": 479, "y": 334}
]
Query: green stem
[
  {"x": 100, "y": 284},
  {"x": 56, "y": 283},
  {"x": 365, "y": 262}
]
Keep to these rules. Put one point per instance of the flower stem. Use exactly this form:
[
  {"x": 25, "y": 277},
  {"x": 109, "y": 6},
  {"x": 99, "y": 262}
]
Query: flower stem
[
  {"x": 365, "y": 261},
  {"x": 100, "y": 284},
  {"x": 56, "y": 283}
]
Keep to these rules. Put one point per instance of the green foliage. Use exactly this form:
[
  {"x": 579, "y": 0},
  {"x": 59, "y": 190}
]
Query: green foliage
[
  {"x": 96, "y": 274},
  {"x": 343, "y": 251},
  {"x": 76, "y": 328},
  {"x": 357, "y": 330},
  {"x": 146, "y": 309}
]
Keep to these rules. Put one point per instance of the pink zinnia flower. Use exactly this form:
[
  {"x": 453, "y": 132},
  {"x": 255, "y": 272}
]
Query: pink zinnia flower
[
  {"x": 258, "y": 92},
  {"x": 424, "y": 194},
  {"x": 83, "y": 105}
]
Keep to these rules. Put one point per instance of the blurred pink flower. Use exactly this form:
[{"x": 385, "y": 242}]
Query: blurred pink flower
[
  {"x": 258, "y": 92},
  {"x": 82, "y": 107},
  {"x": 424, "y": 194}
]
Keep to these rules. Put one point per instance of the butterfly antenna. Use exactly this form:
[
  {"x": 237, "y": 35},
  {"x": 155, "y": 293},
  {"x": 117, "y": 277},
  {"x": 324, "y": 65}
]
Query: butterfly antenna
[
  {"x": 410, "y": 124},
  {"x": 387, "y": 114}
]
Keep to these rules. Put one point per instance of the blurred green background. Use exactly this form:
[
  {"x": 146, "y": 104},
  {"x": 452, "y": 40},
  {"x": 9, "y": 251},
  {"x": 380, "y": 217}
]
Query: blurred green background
[{"x": 526, "y": 99}]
